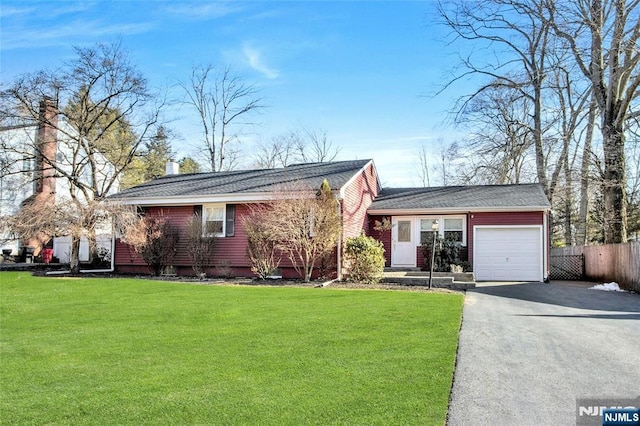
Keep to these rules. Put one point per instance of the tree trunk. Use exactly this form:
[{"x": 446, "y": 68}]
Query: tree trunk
[
  {"x": 538, "y": 143},
  {"x": 568, "y": 204},
  {"x": 74, "y": 256},
  {"x": 582, "y": 228},
  {"x": 615, "y": 202}
]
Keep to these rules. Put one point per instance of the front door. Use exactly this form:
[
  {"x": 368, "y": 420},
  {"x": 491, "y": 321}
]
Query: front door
[{"x": 403, "y": 246}]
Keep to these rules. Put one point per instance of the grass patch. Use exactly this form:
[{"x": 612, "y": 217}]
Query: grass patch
[{"x": 128, "y": 351}]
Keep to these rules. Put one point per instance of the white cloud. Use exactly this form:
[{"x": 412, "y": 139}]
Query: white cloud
[
  {"x": 60, "y": 35},
  {"x": 202, "y": 11},
  {"x": 254, "y": 57},
  {"x": 9, "y": 11}
]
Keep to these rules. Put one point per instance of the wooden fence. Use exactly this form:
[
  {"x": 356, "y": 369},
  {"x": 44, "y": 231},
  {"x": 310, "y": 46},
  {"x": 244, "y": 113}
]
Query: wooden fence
[{"x": 618, "y": 263}]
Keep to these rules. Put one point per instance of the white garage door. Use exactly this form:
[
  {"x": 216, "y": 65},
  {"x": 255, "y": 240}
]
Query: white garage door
[{"x": 507, "y": 253}]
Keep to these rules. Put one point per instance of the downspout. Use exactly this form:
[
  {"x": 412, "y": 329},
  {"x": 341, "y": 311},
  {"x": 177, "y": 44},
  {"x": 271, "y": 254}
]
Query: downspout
[
  {"x": 545, "y": 252},
  {"x": 339, "y": 254}
]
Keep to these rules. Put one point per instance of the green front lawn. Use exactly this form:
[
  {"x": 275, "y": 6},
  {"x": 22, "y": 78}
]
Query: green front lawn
[{"x": 129, "y": 351}]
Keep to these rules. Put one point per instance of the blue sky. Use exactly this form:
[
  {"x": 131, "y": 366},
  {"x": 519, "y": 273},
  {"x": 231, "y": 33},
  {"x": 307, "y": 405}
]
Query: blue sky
[{"x": 362, "y": 70}]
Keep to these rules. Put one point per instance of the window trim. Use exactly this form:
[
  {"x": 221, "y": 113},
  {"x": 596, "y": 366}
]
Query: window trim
[
  {"x": 441, "y": 228},
  {"x": 204, "y": 219}
]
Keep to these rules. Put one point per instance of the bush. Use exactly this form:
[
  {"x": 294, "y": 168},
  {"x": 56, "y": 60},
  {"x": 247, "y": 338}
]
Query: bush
[
  {"x": 200, "y": 247},
  {"x": 261, "y": 241},
  {"x": 365, "y": 259},
  {"x": 155, "y": 240},
  {"x": 447, "y": 254},
  {"x": 102, "y": 258}
]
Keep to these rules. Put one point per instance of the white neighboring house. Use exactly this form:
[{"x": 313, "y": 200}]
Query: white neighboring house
[{"x": 21, "y": 176}]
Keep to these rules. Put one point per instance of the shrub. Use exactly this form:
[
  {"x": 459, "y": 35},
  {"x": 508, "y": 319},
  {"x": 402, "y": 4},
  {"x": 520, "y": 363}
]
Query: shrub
[
  {"x": 447, "y": 254},
  {"x": 199, "y": 246},
  {"x": 365, "y": 259},
  {"x": 155, "y": 240},
  {"x": 102, "y": 258},
  {"x": 261, "y": 242},
  {"x": 224, "y": 269}
]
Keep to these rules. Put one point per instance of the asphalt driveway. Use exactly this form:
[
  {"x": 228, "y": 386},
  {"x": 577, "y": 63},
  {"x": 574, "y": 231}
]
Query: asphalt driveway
[{"x": 528, "y": 351}]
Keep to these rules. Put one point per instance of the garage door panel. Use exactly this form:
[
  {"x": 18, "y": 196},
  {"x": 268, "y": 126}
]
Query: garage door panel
[{"x": 508, "y": 254}]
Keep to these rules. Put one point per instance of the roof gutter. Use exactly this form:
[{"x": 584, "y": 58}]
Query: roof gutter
[{"x": 454, "y": 210}]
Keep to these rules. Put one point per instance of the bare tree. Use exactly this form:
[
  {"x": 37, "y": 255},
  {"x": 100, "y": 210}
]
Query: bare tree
[
  {"x": 518, "y": 42},
  {"x": 200, "y": 246},
  {"x": 155, "y": 239},
  {"x": 305, "y": 228},
  {"x": 297, "y": 146},
  {"x": 498, "y": 150},
  {"x": 423, "y": 166},
  {"x": 222, "y": 101},
  {"x": 314, "y": 147},
  {"x": 603, "y": 36},
  {"x": 585, "y": 175},
  {"x": 103, "y": 91},
  {"x": 278, "y": 152},
  {"x": 262, "y": 243},
  {"x": 448, "y": 160}
]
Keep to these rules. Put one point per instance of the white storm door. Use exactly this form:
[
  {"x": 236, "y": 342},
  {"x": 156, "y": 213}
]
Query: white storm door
[{"x": 403, "y": 246}]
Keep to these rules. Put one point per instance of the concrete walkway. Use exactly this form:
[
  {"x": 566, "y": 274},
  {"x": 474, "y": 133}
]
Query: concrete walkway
[{"x": 529, "y": 350}]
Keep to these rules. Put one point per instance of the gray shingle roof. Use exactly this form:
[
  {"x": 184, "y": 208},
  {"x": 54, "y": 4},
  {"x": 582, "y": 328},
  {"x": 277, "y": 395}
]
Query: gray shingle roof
[
  {"x": 245, "y": 181},
  {"x": 462, "y": 197}
]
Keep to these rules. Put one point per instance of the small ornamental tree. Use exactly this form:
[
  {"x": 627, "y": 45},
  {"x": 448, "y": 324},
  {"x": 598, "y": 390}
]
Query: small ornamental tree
[
  {"x": 261, "y": 241},
  {"x": 307, "y": 227},
  {"x": 200, "y": 246},
  {"x": 155, "y": 240},
  {"x": 364, "y": 257}
]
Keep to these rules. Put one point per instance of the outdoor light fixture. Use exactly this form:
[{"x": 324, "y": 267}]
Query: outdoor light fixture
[{"x": 434, "y": 227}]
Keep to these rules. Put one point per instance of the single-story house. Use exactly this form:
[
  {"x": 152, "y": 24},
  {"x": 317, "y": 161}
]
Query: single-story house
[
  {"x": 225, "y": 197},
  {"x": 503, "y": 229}
]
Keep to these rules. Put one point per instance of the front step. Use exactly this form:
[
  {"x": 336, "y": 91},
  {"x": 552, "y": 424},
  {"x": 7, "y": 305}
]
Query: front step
[{"x": 416, "y": 277}]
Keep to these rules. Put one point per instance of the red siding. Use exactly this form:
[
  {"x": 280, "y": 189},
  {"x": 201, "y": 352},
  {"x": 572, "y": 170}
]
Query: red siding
[
  {"x": 358, "y": 196},
  {"x": 229, "y": 251},
  {"x": 488, "y": 218},
  {"x": 500, "y": 218},
  {"x": 383, "y": 236}
]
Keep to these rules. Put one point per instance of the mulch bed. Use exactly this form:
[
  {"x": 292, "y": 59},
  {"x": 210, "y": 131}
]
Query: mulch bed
[{"x": 268, "y": 283}]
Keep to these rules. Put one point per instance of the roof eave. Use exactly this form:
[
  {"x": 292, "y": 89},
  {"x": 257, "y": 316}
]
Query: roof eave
[
  {"x": 456, "y": 210},
  {"x": 177, "y": 200},
  {"x": 193, "y": 200}
]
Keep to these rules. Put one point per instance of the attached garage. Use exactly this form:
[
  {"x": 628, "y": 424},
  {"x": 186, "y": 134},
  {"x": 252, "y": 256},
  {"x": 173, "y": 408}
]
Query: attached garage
[
  {"x": 508, "y": 253},
  {"x": 502, "y": 229}
]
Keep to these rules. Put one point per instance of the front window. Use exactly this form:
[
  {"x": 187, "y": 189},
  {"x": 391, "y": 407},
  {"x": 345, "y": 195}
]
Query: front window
[
  {"x": 426, "y": 232},
  {"x": 213, "y": 218},
  {"x": 453, "y": 230}
]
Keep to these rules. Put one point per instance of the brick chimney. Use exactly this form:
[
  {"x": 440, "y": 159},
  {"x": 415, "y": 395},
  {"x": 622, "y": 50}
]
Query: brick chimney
[{"x": 46, "y": 147}]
